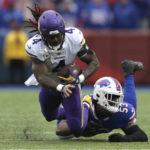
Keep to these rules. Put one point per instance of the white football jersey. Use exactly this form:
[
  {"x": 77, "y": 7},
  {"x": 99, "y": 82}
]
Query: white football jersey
[{"x": 73, "y": 42}]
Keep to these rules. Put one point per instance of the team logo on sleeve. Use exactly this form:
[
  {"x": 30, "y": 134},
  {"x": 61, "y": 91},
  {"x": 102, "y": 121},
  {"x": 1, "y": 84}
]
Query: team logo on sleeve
[
  {"x": 29, "y": 46},
  {"x": 82, "y": 42},
  {"x": 103, "y": 83}
]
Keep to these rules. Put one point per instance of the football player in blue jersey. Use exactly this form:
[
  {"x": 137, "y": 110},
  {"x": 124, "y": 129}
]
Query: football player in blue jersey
[
  {"x": 53, "y": 47},
  {"x": 110, "y": 109}
]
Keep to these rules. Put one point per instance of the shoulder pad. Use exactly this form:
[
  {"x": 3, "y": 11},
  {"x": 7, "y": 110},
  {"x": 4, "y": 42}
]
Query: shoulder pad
[
  {"x": 76, "y": 35},
  {"x": 32, "y": 45}
]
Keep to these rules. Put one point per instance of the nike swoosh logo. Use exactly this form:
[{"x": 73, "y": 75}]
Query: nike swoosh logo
[{"x": 29, "y": 46}]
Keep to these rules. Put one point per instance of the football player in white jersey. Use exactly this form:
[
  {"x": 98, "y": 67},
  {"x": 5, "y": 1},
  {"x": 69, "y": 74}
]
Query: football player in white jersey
[{"x": 53, "y": 47}]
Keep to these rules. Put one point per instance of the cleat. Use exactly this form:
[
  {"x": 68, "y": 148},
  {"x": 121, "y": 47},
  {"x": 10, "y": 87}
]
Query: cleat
[{"x": 130, "y": 67}]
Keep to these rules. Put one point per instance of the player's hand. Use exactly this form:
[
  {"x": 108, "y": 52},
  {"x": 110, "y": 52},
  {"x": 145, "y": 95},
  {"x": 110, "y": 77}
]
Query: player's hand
[
  {"x": 91, "y": 129},
  {"x": 67, "y": 90},
  {"x": 117, "y": 137},
  {"x": 73, "y": 78}
]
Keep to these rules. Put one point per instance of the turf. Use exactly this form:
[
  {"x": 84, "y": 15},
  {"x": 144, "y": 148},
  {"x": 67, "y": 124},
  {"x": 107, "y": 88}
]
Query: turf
[{"x": 22, "y": 126}]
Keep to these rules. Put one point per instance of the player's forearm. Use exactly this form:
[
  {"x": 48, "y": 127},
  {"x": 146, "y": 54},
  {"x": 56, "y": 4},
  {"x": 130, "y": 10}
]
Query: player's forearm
[
  {"x": 46, "y": 82},
  {"x": 40, "y": 71},
  {"x": 135, "y": 134},
  {"x": 91, "y": 68}
]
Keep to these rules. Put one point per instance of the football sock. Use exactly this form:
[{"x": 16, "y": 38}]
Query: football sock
[{"x": 129, "y": 91}]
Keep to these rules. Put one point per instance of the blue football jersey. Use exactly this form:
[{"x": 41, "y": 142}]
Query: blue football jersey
[{"x": 120, "y": 119}]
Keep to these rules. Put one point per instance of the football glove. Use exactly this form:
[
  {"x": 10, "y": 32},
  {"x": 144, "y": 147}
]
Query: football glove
[
  {"x": 117, "y": 137},
  {"x": 73, "y": 78},
  {"x": 65, "y": 89},
  {"x": 133, "y": 134}
]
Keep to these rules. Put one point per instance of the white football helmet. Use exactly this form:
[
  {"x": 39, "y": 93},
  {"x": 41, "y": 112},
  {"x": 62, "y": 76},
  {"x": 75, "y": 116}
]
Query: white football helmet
[{"x": 108, "y": 93}]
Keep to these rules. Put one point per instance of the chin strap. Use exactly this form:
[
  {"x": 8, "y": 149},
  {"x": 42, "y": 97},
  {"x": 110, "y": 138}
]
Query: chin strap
[{"x": 113, "y": 109}]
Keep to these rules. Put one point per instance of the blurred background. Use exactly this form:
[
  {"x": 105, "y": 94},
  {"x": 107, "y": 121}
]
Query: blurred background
[{"x": 114, "y": 29}]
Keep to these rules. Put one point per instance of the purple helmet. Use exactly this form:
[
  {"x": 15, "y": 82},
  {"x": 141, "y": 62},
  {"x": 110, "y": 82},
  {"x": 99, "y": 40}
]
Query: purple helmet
[{"x": 52, "y": 28}]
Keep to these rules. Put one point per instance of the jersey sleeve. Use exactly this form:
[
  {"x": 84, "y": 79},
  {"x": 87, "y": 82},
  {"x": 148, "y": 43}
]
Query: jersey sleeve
[
  {"x": 29, "y": 49},
  {"x": 33, "y": 47},
  {"x": 126, "y": 115},
  {"x": 121, "y": 119},
  {"x": 76, "y": 37},
  {"x": 79, "y": 40}
]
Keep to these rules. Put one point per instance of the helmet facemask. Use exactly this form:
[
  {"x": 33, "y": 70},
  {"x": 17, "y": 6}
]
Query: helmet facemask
[{"x": 54, "y": 41}]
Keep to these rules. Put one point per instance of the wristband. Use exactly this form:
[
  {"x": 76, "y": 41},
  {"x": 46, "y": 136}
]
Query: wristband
[
  {"x": 59, "y": 87},
  {"x": 81, "y": 78}
]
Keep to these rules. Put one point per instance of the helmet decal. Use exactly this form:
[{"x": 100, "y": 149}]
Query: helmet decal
[
  {"x": 117, "y": 84},
  {"x": 53, "y": 32},
  {"x": 103, "y": 83}
]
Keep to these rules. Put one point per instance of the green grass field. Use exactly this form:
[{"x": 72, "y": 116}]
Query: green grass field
[{"x": 23, "y": 127}]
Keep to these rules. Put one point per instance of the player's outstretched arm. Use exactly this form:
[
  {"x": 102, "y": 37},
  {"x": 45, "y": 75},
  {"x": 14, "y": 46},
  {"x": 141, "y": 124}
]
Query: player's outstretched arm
[{"x": 133, "y": 134}]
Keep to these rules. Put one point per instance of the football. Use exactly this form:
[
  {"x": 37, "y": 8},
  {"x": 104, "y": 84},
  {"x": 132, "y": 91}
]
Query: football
[{"x": 65, "y": 73}]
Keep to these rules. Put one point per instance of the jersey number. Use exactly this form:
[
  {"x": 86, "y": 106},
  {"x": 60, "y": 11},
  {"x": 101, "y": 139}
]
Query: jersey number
[
  {"x": 35, "y": 41},
  {"x": 124, "y": 109},
  {"x": 69, "y": 30}
]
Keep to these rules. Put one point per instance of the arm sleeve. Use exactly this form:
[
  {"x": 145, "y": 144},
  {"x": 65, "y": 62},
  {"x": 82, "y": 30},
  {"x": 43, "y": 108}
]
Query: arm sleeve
[
  {"x": 77, "y": 39},
  {"x": 33, "y": 48},
  {"x": 133, "y": 134},
  {"x": 29, "y": 49}
]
